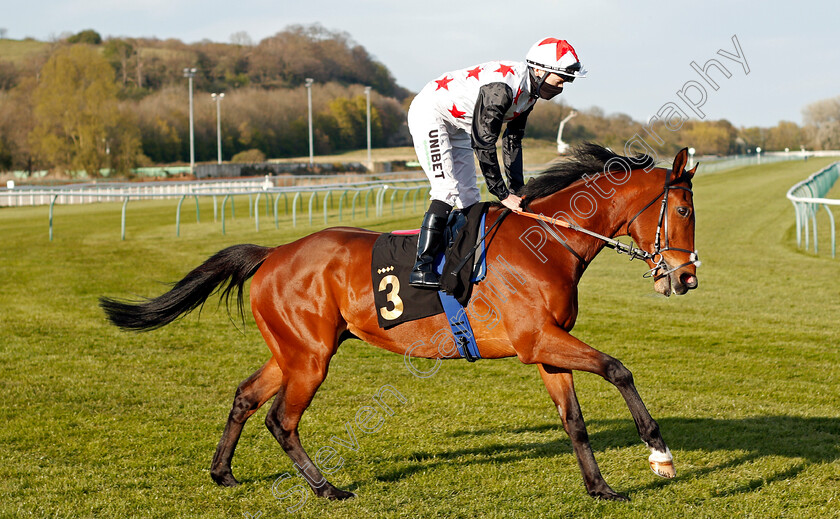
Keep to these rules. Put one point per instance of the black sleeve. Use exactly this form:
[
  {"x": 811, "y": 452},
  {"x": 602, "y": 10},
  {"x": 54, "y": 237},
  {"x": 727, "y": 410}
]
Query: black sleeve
[
  {"x": 512, "y": 150},
  {"x": 494, "y": 100}
]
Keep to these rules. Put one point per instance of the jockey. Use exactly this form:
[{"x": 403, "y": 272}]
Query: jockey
[{"x": 463, "y": 111}]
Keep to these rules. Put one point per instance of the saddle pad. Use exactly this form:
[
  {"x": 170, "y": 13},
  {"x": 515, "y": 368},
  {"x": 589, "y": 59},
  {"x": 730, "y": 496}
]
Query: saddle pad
[
  {"x": 393, "y": 258},
  {"x": 396, "y": 301}
]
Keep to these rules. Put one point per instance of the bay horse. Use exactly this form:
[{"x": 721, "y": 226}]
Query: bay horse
[{"x": 310, "y": 295}]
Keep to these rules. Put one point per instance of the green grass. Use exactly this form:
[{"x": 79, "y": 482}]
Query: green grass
[
  {"x": 742, "y": 375},
  {"x": 20, "y": 50}
]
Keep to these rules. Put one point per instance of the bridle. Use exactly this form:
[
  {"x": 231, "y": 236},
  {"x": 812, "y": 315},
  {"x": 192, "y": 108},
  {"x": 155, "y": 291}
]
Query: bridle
[
  {"x": 660, "y": 268},
  {"x": 656, "y": 257}
]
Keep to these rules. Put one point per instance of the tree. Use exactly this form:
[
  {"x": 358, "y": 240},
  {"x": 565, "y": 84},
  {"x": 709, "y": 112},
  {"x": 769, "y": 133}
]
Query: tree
[
  {"x": 76, "y": 114},
  {"x": 118, "y": 53},
  {"x": 822, "y": 111},
  {"x": 88, "y": 36},
  {"x": 241, "y": 38},
  {"x": 5, "y": 155},
  {"x": 251, "y": 156},
  {"x": 351, "y": 121},
  {"x": 784, "y": 135},
  {"x": 9, "y": 75},
  {"x": 123, "y": 144},
  {"x": 299, "y": 52},
  {"x": 822, "y": 120},
  {"x": 708, "y": 137},
  {"x": 16, "y": 122},
  {"x": 827, "y": 136},
  {"x": 753, "y": 136}
]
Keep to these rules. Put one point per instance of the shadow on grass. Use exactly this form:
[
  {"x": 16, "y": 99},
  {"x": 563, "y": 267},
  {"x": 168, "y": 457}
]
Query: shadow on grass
[{"x": 810, "y": 440}]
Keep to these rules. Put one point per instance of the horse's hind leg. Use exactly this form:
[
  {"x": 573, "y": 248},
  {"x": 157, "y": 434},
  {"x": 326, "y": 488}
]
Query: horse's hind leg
[
  {"x": 252, "y": 393},
  {"x": 562, "y": 390},
  {"x": 284, "y": 416}
]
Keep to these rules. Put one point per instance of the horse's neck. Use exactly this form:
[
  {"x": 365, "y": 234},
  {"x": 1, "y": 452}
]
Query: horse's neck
[{"x": 615, "y": 205}]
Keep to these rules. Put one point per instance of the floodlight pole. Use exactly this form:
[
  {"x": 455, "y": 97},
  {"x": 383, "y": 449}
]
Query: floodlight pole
[
  {"x": 369, "y": 161},
  {"x": 190, "y": 73},
  {"x": 218, "y": 98},
  {"x": 309, "y": 82}
]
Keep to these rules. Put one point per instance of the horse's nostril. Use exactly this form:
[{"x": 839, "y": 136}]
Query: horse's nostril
[{"x": 689, "y": 280}]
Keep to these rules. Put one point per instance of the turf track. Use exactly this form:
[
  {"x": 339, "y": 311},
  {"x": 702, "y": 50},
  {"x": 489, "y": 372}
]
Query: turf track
[{"x": 742, "y": 375}]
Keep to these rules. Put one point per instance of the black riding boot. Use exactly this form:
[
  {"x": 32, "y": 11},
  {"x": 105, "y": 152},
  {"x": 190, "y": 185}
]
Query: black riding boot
[{"x": 429, "y": 244}]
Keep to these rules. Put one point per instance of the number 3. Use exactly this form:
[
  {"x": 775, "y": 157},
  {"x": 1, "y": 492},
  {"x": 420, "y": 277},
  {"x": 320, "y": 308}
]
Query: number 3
[{"x": 391, "y": 297}]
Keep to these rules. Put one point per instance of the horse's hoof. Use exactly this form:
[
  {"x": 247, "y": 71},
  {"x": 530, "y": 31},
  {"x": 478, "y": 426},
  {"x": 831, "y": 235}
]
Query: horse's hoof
[
  {"x": 663, "y": 469},
  {"x": 225, "y": 480},
  {"x": 662, "y": 464},
  {"x": 609, "y": 495},
  {"x": 338, "y": 494}
]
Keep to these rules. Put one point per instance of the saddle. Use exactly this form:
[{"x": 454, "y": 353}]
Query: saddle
[{"x": 393, "y": 258}]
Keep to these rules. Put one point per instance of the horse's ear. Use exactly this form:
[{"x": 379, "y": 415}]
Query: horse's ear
[
  {"x": 692, "y": 171},
  {"x": 679, "y": 163}
]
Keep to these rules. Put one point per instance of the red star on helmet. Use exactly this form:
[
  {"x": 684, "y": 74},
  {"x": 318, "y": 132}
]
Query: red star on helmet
[
  {"x": 505, "y": 70},
  {"x": 456, "y": 113},
  {"x": 473, "y": 73},
  {"x": 562, "y": 47},
  {"x": 443, "y": 83},
  {"x": 518, "y": 93}
]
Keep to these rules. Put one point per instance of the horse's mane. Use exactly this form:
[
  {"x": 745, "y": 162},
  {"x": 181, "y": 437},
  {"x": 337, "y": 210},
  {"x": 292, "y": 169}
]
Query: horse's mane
[{"x": 587, "y": 158}]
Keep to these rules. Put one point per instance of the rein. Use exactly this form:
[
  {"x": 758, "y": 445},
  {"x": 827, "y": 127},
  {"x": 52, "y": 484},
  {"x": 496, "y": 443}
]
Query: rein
[
  {"x": 660, "y": 269},
  {"x": 619, "y": 247}
]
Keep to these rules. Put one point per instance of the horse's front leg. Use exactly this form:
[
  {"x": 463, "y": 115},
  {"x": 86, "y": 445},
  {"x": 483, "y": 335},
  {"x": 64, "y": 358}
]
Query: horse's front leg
[
  {"x": 559, "y": 384},
  {"x": 556, "y": 347}
]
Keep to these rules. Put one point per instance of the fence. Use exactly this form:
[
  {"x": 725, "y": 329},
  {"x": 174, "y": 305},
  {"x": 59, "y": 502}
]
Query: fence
[
  {"x": 345, "y": 197},
  {"x": 738, "y": 161},
  {"x": 100, "y": 191},
  {"x": 807, "y": 198},
  {"x": 346, "y": 191}
]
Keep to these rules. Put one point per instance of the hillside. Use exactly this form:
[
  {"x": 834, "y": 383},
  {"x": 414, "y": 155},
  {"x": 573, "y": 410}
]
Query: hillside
[
  {"x": 17, "y": 51},
  {"x": 144, "y": 119},
  {"x": 285, "y": 60}
]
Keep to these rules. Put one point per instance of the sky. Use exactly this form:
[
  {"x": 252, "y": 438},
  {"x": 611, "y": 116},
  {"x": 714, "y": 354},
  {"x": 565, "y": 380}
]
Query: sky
[{"x": 638, "y": 54}]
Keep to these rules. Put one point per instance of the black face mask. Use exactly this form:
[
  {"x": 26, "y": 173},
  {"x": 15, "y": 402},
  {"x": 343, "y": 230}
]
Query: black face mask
[
  {"x": 548, "y": 91},
  {"x": 539, "y": 88}
]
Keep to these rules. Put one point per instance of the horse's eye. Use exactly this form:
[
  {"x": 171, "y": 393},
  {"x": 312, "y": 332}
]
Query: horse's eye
[{"x": 683, "y": 211}]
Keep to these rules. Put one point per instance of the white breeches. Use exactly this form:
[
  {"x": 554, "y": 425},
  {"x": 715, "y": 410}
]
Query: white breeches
[{"x": 445, "y": 154}]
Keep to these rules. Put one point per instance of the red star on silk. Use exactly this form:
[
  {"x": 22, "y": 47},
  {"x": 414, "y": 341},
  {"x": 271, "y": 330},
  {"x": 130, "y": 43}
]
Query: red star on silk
[
  {"x": 518, "y": 93},
  {"x": 505, "y": 70},
  {"x": 562, "y": 47},
  {"x": 514, "y": 116},
  {"x": 443, "y": 83},
  {"x": 473, "y": 73},
  {"x": 456, "y": 113}
]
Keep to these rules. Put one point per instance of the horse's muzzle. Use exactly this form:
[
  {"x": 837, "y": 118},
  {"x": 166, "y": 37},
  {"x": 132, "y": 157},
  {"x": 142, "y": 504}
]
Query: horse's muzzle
[
  {"x": 689, "y": 280},
  {"x": 675, "y": 283}
]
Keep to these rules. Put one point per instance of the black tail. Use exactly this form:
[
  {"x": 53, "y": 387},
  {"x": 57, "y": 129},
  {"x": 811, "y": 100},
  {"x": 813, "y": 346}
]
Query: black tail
[{"x": 228, "y": 268}]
